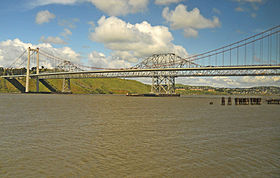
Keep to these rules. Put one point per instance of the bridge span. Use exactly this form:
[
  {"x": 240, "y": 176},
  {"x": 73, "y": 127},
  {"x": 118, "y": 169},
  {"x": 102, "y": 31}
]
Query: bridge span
[{"x": 258, "y": 55}]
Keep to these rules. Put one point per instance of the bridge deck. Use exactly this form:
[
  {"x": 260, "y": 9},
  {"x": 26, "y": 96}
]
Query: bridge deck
[{"x": 176, "y": 72}]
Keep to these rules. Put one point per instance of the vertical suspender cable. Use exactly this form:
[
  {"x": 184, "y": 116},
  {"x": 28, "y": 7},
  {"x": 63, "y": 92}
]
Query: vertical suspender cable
[
  {"x": 216, "y": 60},
  {"x": 230, "y": 57},
  {"x": 253, "y": 52},
  {"x": 268, "y": 50},
  {"x": 245, "y": 53},
  {"x": 223, "y": 57},
  {"x": 237, "y": 55},
  {"x": 261, "y": 50}
]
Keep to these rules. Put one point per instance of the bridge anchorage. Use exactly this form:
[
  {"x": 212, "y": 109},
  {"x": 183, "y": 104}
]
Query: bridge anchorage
[{"x": 258, "y": 55}]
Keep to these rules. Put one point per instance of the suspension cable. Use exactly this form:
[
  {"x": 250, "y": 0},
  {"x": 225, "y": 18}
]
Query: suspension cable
[{"x": 15, "y": 61}]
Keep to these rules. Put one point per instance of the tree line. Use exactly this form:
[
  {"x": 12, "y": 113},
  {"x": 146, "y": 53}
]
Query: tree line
[{"x": 20, "y": 71}]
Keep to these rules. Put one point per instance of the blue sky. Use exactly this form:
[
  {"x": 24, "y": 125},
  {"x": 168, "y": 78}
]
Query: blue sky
[{"x": 119, "y": 33}]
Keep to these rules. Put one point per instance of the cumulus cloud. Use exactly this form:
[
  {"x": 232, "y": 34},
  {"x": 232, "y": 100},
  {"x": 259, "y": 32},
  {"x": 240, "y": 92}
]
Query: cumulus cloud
[
  {"x": 52, "y": 40},
  {"x": 44, "y": 17},
  {"x": 66, "y": 33},
  {"x": 98, "y": 59},
  {"x": 131, "y": 42},
  {"x": 251, "y": 1},
  {"x": 120, "y": 7},
  {"x": 110, "y": 7},
  {"x": 10, "y": 50},
  {"x": 166, "y": 2},
  {"x": 36, "y": 3},
  {"x": 70, "y": 23},
  {"x": 190, "y": 32},
  {"x": 254, "y": 6},
  {"x": 190, "y": 21}
]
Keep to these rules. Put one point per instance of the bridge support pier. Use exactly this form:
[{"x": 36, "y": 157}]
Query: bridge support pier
[
  {"x": 37, "y": 71},
  {"x": 163, "y": 84},
  {"x": 27, "y": 72},
  {"x": 66, "y": 87},
  {"x": 37, "y": 85}
]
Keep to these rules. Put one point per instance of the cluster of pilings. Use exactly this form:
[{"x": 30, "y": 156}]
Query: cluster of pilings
[
  {"x": 241, "y": 101},
  {"x": 273, "y": 101}
]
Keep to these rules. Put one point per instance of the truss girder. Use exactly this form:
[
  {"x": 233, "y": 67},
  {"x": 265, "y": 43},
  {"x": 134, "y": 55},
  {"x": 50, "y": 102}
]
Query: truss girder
[
  {"x": 169, "y": 60},
  {"x": 187, "y": 73},
  {"x": 170, "y": 72}
]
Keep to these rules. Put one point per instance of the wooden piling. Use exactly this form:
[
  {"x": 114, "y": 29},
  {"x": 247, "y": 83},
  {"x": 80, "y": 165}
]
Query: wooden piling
[
  {"x": 229, "y": 100},
  {"x": 223, "y": 101},
  {"x": 273, "y": 101}
]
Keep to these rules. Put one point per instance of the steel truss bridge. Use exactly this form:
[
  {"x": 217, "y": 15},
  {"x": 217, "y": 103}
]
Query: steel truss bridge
[{"x": 258, "y": 55}]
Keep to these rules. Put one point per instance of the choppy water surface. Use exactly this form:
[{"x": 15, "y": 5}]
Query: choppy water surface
[{"x": 119, "y": 136}]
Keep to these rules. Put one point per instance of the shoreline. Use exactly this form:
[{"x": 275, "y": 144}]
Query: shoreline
[{"x": 142, "y": 95}]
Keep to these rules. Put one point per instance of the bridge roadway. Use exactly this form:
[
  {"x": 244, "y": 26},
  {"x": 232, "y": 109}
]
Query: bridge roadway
[{"x": 258, "y": 70}]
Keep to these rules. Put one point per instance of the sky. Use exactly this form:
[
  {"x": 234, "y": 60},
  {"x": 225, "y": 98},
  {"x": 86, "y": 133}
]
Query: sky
[{"x": 121, "y": 33}]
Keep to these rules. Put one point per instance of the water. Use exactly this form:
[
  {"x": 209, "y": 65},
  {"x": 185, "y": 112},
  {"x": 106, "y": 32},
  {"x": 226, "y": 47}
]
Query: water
[{"x": 119, "y": 136}]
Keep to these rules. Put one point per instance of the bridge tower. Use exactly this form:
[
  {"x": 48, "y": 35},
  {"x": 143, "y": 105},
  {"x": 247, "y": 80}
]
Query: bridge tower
[
  {"x": 66, "y": 87},
  {"x": 163, "y": 84},
  {"x": 28, "y": 69}
]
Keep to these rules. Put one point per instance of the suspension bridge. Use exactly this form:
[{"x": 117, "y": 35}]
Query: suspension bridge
[{"x": 258, "y": 55}]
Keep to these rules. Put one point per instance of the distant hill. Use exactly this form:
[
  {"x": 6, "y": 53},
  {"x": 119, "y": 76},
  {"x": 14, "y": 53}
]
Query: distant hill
[
  {"x": 262, "y": 90},
  {"x": 123, "y": 86},
  {"x": 85, "y": 86}
]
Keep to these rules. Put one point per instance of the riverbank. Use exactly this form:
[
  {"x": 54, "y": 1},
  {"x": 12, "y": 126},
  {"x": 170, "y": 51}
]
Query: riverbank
[
  {"x": 124, "y": 86},
  {"x": 84, "y": 86}
]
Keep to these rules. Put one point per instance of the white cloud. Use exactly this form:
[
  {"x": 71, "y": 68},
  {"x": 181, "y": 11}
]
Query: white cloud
[
  {"x": 36, "y": 3},
  {"x": 10, "y": 50},
  {"x": 100, "y": 60},
  {"x": 190, "y": 32},
  {"x": 254, "y": 6},
  {"x": 44, "y": 17},
  {"x": 70, "y": 23},
  {"x": 120, "y": 7},
  {"x": 131, "y": 42},
  {"x": 166, "y": 2},
  {"x": 66, "y": 33},
  {"x": 110, "y": 7},
  {"x": 190, "y": 21},
  {"x": 250, "y": 1},
  {"x": 52, "y": 40}
]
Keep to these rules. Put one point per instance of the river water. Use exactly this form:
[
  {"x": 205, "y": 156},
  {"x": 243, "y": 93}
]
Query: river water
[{"x": 119, "y": 136}]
